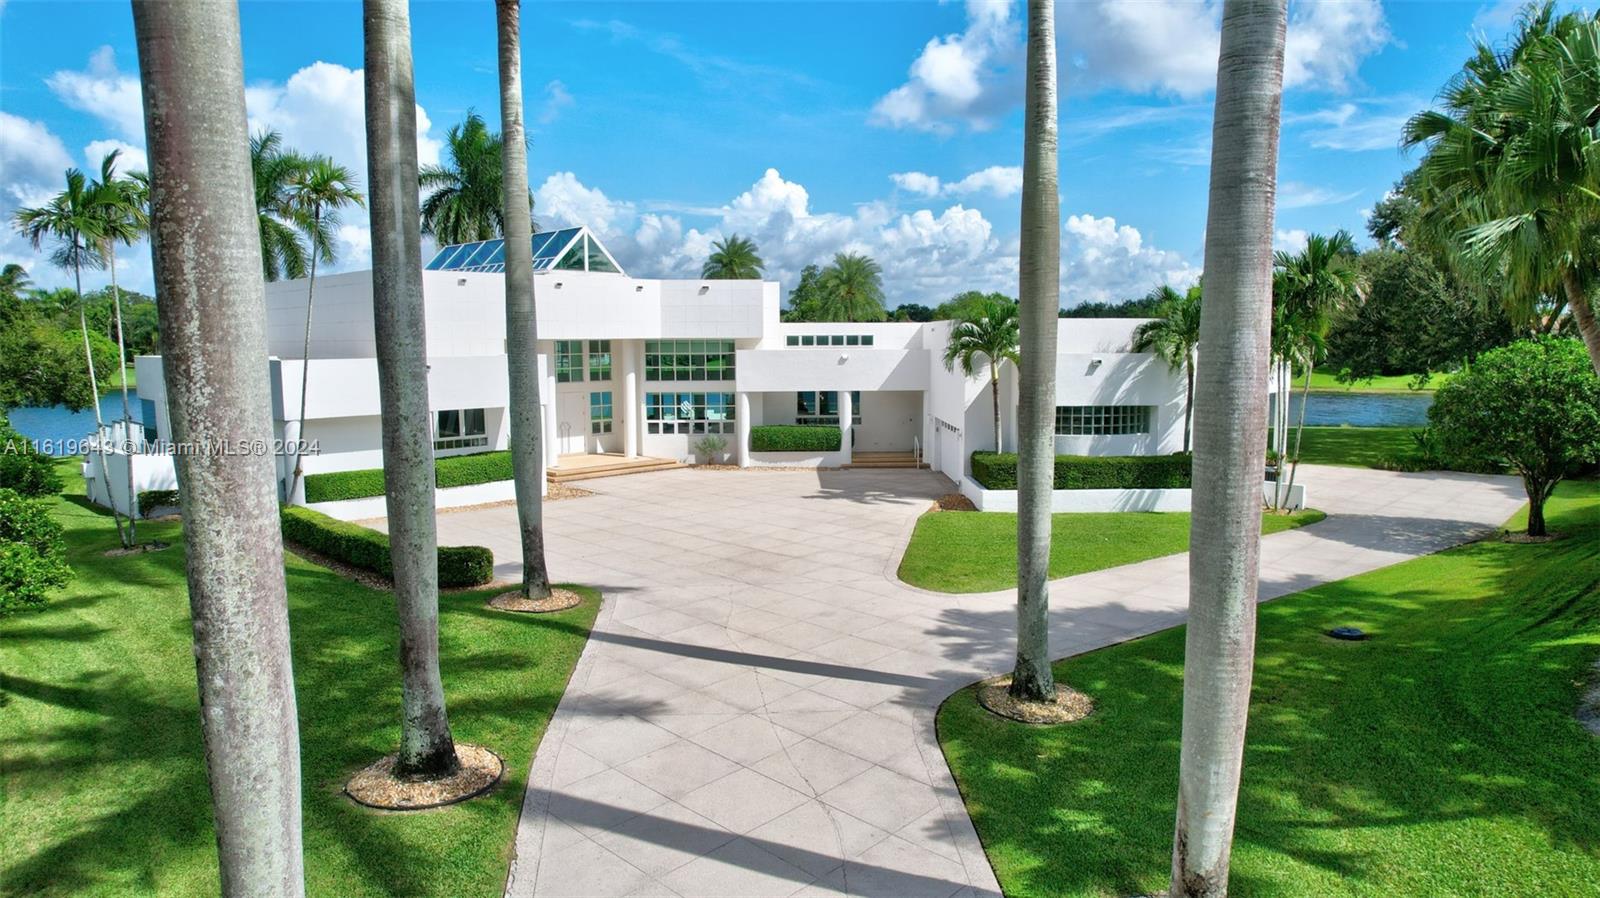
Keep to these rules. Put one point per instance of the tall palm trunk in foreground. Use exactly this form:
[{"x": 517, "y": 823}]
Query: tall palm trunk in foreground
[
  {"x": 214, "y": 343},
  {"x": 1230, "y": 425},
  {"x": 527, "y": 443},
  {"x": 426, "y": 747},
  {"x": 1039, "y": 289}
]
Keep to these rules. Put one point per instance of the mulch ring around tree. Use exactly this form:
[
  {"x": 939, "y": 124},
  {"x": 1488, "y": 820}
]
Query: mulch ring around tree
[
  {"x": 558, "y": 600},
  {"x": 152, "y": 546},
  {"x": 1069, "y": 706},
  {"x": 376, "y": 786},
  {"x": 953, "y": 502},
  {"x": 1522, "y": 536}
]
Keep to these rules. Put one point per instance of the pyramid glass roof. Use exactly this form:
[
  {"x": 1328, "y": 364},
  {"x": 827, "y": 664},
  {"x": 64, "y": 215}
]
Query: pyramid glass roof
[{"x": 567, "y": 249}]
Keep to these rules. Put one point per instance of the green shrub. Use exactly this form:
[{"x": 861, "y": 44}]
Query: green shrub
[
  {"x": 794, "y": 438},
  {"x": 467, "y": 470},
  {"x": 33, "y": 554},
  {"x": 23, "y": 467},
  {"x": 336, "y": 485},
  {"x": 149, "y": 500},
  {"x": 454, "y": 470},
  {"x": 998, "y": 471},
  {"x": 368, "y": 549}
]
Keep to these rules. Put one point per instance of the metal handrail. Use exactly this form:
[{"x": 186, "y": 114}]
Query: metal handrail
[{"x": 916, "y": 449}]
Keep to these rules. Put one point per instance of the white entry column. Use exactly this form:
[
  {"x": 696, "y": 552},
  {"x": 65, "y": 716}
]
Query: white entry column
[
  {"x": 741, "y": 428},
  {"x": 630, "y": 397},
  {"x": 552, "y": 439},
  {"x": 847, "y": 412}
]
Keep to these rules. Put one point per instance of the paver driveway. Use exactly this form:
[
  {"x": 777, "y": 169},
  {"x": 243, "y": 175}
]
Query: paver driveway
[{"x": 754, "y": 712}]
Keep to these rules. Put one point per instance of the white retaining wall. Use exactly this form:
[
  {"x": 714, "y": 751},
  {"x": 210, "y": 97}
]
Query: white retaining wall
[
  {"x": 1109, "y": 500},
  {"x": 448, "y": 497},
  {"x": 799, "y": 459}
]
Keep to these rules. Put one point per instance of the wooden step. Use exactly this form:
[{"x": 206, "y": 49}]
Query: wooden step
[
  {"x": 615, "y": 469},
  {"x": 884, "y": 460}
]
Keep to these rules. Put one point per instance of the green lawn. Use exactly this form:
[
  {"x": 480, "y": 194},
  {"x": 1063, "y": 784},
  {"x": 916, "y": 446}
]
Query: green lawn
[
  {"x": 1440, "y": 758},
  {"x": 969, "y": 551},
  {"x": 1361, "y": 447},
  {"x": 1398, "y": 383},
  {"x": 104, "y": 784},
  {"x": 113, "y": 380}
]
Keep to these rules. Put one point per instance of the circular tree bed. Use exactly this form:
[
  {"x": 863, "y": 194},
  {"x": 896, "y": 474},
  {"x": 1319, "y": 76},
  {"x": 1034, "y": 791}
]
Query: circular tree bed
[
  {"x": 376, "y": 786},
  {"x": 1069, "y": 705},
  {"x": 558, "y": 600}
]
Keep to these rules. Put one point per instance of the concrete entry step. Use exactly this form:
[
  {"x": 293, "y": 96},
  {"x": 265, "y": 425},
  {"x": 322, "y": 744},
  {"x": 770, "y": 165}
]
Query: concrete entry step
[
  {"x": 884, "y": 460},
  {"x": 590, "y": 467}
]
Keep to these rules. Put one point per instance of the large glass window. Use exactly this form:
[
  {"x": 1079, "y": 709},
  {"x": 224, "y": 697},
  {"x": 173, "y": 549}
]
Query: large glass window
[
  {"x": 569, "y": 361},
  {"x": 1103, "y": 420},
  {"x": 599, "y": 359},
  {"x": 689, "y": 412},
  {"x": 600, "y": 411},
  {"x": 812, "y": 407},
  {"x": 688, "y": 360},
  {"x": 459, "y": 429}
]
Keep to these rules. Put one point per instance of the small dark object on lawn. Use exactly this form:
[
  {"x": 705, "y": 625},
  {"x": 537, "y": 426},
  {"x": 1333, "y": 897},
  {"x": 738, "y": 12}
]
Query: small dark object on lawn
[{"x": 1351, "y": 634}]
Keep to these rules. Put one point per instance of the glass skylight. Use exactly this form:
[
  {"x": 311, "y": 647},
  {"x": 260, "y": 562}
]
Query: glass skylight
[{"x": 567, "y": 249}]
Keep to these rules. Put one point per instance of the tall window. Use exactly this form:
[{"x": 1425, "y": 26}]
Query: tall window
[
  {"x": 569, "y": 361},
  {"x": 600, "y": 412},
  {"x": 599, "y": 359},
  {"x": 688, "y": 412},
  {"x": 1103, "y": 420},
  {"x": 459, "y": 429},
  {"x": 688, "y": 360},
  {"x": 823, "y": 407}
]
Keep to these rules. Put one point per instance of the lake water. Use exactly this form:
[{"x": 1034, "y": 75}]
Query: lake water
[
  {"x": 55, "y": 426},
  {"x": 1333, "y": 409}
]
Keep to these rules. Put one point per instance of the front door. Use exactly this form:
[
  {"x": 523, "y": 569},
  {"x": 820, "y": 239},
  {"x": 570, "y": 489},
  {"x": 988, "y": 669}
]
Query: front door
[{"x": 572, "y": 423}]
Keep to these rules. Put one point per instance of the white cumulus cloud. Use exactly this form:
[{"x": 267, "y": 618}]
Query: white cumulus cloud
[
  {"x": 968, "y": 78},
  {"x": 1103, "y": 261},
  {"x": 105, "y": 92},
  {"x": 997, "y": 180}
]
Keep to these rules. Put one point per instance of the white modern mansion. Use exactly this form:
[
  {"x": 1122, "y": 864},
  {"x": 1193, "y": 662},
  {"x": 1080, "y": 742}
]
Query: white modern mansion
[{"x": 642, "y": 367}]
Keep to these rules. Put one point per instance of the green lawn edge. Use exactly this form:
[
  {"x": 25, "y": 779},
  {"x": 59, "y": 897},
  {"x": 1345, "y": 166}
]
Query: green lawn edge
[
  {"x": 104, "y": 779},
  {"x": 976, "y": 551},
  {"x": 1440, "y": 758},
  {"x": 1328, "y": 382}
]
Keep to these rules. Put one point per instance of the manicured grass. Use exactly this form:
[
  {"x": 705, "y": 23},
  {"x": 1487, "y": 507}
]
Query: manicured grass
[
  {"x": 970, "y": 551},
  {"x": 104, "y": 780},
  {"x": 1360, "y": 447},
  {"x": 1439, "y": 758},
  {"x": 114, "y": 379},
  {"x": 1398, "y": 383}
]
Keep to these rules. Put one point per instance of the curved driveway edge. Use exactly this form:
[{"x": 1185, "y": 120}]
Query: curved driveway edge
[{"x": 753, "y": 714}]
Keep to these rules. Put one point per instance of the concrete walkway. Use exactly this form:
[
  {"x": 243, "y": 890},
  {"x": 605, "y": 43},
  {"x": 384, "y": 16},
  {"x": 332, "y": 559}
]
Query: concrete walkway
[{"x": 753, "y": 714}]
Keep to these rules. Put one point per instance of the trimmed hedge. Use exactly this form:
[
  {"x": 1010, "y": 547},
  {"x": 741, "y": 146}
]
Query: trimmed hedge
[
  {"x": 152, "y": 499},
  {"x": 336, "y": 485},
  {"x": 368, "y": 549},
  {"x": 467, "y": 470},
  {"x": 1091, "y": 472},
  {"x": 794, "y": 438},
  {"x": 453, "y": 470}
]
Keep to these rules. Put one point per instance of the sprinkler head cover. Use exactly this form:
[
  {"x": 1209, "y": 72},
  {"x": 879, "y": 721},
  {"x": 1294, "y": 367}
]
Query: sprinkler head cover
[{"x": 1352, "y": 634}]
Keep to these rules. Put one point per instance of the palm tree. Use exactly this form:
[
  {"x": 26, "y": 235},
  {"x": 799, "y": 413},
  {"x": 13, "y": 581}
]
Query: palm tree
[
  {"x": 120, "y": 203},
  {"x": 986, "y": 335},
  {"x": 274, "y": 171},
  {"x": 14, "y": 280},
  {"x": 1308, "y": 289},
  {"x": 318, "y": 189},
  {"x": 527, "y": 428},
  {"x": 72, "y": 219},
  {"x": 1229, "y": 442},
  {"x": 427, "y": 748},
  {"x": 465, "y": 197},
  {"x": 852, "y": 289},
  {"x": 1039, "y": 303},
  {"x": 1173, "y": 337},
  {"x": 213, "y": 334},
  {"x": 733, "y": 258},
  {"x": 1510, "y": 182}
]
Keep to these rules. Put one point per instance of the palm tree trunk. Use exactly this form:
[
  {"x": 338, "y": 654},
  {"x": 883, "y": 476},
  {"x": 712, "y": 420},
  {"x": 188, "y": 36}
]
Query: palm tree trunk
[
  {"x": 1039, "y": 290},
  {"x": 1188, "y": 401},
  {"x": 527, "y": 430},
  {"x": 94, "y": 398},
  {"x": 426, "y": 746},
  {"x": 213, "y": 336},
  {"x": 305, "y": 359},
  {"x": 1230, "y": 424},
  {"x": 994, "y": 392},
  {"x": 1280, "y": 430},
  {"x": 1583, "y": 315},
  {"x": 1299, "y": 432},
  {"x": 127, "y": 410}
]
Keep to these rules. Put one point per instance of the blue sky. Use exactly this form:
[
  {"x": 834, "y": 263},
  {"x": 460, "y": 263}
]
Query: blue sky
[{"x": 889, "y": 128}]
